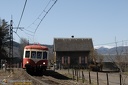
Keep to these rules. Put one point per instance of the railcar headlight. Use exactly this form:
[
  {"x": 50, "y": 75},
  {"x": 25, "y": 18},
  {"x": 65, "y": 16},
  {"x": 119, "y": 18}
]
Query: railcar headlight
[
  {"x": 43, "y": 62},
  {"x": 27, "y": 62}
]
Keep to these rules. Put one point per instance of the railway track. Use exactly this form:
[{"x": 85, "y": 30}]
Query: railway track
[
  {"x": 47, "y": 80},
  {"x": 53, "y": 78}
]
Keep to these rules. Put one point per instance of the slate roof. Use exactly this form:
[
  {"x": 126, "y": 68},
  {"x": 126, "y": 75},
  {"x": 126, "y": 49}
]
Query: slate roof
[{"x": 73, "y": 44}]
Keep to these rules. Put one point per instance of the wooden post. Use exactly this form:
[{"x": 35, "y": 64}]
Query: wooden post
[
  {"x": 73, "y": 74},
  {"x": 77, "y": 74},
  {"x": 89, "y": 77},
  {"x": 107, "y": 79},
  {"x": 82, "y": 77},
  {"x": 79, "y": 71},
  {"x": 75, "y": 71},
  {"x": 97, "y": 79},
  {"x": 68, "y": 63},
  {"x": 120, "y": 79},
  {"x": 68, "y": 68}
]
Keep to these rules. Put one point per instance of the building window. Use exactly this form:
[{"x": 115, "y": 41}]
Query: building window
[
  {"x": 86, "y": 59},
  {"x": 82, "y": 60},
  {"x": 62, "y": 60},
  {"x": 66, "y": 60}
]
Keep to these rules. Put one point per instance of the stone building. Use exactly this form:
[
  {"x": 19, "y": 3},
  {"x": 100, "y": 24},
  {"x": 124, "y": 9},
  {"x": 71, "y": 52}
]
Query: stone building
[{"x": 72, "y": 52}]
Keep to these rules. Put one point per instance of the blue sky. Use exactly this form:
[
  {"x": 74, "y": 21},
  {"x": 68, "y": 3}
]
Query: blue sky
[{"x": 101, "y": 20}]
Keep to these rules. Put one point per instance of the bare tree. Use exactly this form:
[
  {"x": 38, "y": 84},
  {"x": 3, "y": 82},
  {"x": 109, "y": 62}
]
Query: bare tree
[
  {"x": 96, "y": 61},
  {"x": 23, "y": 43},
  {"x": 120, "y": 62}
]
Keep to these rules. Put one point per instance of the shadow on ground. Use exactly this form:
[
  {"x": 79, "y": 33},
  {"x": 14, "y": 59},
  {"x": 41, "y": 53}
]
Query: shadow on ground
[
  {"x": 109, "y": 71},
  {"x": 51, "y": 73},
  {"x": 56, "y": 75}
]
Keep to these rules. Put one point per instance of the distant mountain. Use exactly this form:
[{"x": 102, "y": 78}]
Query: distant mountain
[
  {"x": 16, "y": 44},
  {"x": 106, "y": 51},
  {"x": 16, "y": 47},
  {"x": 97, "y": 47},
  {"x": 102, "y": 50}
]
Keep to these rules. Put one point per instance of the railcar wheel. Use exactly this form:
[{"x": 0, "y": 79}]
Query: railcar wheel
[{"x": 29, "y": 69}]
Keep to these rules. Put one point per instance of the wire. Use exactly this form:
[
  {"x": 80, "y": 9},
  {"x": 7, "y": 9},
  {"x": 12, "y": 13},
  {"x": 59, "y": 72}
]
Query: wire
[
  {"x": 19, "y": 36},
  {"x": 38, "y": 18},
  {"x": 39, "y": 15},
  {"x": 47, "y": 5},
  {"x": 28, "y": 31},
  {"x": 21, "y": 15},
  {"x": 23, "y": 32},
  {"x": 111, "y": 43},
  {"x": 44, "y": 16}
]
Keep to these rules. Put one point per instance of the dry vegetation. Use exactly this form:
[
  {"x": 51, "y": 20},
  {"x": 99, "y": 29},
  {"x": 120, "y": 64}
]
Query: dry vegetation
[{"x": 11, "y": 77}]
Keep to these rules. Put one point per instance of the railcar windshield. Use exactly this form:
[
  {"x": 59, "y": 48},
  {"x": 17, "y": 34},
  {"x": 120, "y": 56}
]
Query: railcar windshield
[
  {"x": 39, "y": 55},
  {"x": 44, "y": 55},
  {"x": 27, "y": 54},
  {"x": 33, "y": 54}
]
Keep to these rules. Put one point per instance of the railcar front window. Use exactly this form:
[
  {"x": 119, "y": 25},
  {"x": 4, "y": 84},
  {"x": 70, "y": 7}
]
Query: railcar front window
[
  {"x": 44, "y": 55},
  {"x": 33, "y": 54},
  {"x": 27, "y": 54},
  {"x": 39, "y": 55}
]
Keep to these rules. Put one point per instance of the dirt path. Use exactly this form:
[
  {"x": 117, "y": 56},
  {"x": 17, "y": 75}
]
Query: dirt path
[
  {"x": 19, "y": 76},
  {"x": 114, "y": 78}
]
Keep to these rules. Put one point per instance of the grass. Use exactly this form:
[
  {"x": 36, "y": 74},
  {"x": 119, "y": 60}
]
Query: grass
[{"x": 126, "y": 73}]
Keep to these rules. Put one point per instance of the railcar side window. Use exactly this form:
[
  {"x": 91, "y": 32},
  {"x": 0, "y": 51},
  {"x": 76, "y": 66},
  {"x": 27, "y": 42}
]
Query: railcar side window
[
  {"x": 39, "y": 55},
  {"x": 44, "y": 55},
  {"x": 33, "y": 54},
  {"x": 27, "y": 54}
]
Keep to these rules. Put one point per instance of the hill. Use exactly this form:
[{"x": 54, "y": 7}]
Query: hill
[
  {"x": 16, "y": 47},
  {"x": 113, "y": 50},
  {"x": 104, "y": 50}
]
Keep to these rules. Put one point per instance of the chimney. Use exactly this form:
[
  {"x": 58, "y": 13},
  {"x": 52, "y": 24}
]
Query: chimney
[{"x": 72, "y": 36}]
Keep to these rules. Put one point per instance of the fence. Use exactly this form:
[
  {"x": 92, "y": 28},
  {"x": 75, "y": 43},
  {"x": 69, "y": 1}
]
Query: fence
[{"x": 98, "y": 78}]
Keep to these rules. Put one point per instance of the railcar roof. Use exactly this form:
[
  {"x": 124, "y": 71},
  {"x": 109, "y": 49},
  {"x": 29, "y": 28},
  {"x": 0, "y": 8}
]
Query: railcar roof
[{"x": 39, "y": 47}]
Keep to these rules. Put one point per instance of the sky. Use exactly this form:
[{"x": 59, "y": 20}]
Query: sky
[{"x": 105, "y": 21}]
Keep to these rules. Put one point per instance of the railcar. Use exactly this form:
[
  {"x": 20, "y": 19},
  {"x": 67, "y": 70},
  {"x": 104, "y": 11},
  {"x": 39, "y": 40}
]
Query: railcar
[{"x": 35, "y": 58}]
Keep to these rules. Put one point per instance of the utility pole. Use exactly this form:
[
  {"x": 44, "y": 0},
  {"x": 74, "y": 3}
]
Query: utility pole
[
  {"x": 11, "y": 44},
  {"x": 11, "y": 56}
]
